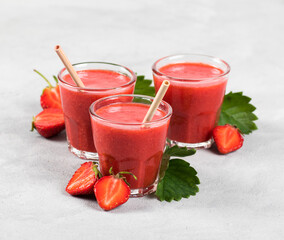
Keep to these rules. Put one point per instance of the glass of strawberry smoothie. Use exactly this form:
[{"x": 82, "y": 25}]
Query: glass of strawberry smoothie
[
  {"x": 124, "y": 143},
  {"x": 101, "y": 79},
  {"x": 198, "y": 84}
]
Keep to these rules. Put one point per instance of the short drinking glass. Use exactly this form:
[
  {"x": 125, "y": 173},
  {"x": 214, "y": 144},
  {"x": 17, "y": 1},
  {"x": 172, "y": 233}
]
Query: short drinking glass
[
  {"x": 198, "y": 84},
  {"x": 125, "y": 143},
  {"x": 101, "y": 79}
]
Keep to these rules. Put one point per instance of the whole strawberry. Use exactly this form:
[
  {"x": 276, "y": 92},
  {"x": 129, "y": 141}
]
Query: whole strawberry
[
  {"x": 112, "y": 191},
  {"x": 49, "y": 122},
  {"x": 84, "y": 179},
  {"x": 227, "y": 138},
  {"x": 50, "y": 97}
]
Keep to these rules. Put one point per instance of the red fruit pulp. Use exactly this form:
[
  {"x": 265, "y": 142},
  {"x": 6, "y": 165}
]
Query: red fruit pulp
[
  {"x": 49, "y": 122},
  {"x": 111, "y": 192},
  {"x": 50, "y": 98},
  {"x": 49, "y": 117},
  {"x": 227, "y": 138},
  {"x": 83, "y": 180}
]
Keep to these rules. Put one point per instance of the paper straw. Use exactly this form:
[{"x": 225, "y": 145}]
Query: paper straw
[
  {"x": 159, "y": 96},
  {"x": 69, "y": 66}
]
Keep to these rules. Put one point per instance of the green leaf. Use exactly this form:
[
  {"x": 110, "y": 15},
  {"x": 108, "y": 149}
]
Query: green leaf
[
  {"x": 55, "y": 79},
  {"x": 164, "y": 165},
  {"x": 142, "y": 100},
  {"x": 180, "y": 181},
  {"x": 236, "y": 110},
  {"x": 179, "y": 151},
  {"x": 171, "y": 152},
  {"x": 96, "y": 170},
  {"x": 143, "y": 86}
]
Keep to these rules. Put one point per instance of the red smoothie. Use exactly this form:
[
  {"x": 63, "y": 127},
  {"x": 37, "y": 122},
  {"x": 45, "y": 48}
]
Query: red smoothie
[
  {"x": 76, "y": 102},
  {"x": 125, "y": 144},
  {"x": 196, "y": 95}
]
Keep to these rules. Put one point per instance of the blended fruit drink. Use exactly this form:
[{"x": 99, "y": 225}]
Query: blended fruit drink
[
  {"x": 100, "y": 80},
  {"x": 198, "y": 85},
  {"x": 124, "y": 143}
]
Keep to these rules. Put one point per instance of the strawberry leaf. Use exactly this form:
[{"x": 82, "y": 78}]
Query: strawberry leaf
[
  {"x": 236, "y": 110},
  {"x": 143, "y": 86},
  {"x": 180, "y": 181},
  {"x": 179, "y": 151},
  {"x": 174, "y": 151}
]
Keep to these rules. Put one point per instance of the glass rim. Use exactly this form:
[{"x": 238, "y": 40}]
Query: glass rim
[
  {"x": 92, "y": 112},
  {"x": 156, "y": 70},
  {"x": 132, "y": 78}
]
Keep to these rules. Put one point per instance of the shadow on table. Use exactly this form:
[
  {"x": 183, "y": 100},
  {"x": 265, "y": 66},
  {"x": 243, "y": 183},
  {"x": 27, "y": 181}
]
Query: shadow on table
[
  {"x": 214, "y": 149},
  {"x": 60, "y": 137},
  {"x": 130, "y": 206}
]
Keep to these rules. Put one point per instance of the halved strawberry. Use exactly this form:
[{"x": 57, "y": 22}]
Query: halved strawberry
[
  {"x": 50, "y": 97},
  {"x": 112, "y": 191},
  {"x": 83, "y": 180},
  {"x": 227, "y": 138},
  {"x": 49, "y": 122}
]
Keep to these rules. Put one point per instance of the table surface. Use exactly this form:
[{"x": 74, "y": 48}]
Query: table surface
[{"x": 241, "y": 194}]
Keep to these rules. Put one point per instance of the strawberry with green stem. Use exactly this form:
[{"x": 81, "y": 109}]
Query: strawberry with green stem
[{"x": 50, "y": 97}]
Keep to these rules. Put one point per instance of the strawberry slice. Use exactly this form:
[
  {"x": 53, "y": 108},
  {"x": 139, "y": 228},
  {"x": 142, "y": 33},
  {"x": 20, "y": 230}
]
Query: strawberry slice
[
  {"x": 112, "y": 191},
  {"x": 49, "y": 122},
  {"x": 50, "y": 97},
  {"x": 227, "y": 138},
  {"x": 83, "y": 180}
]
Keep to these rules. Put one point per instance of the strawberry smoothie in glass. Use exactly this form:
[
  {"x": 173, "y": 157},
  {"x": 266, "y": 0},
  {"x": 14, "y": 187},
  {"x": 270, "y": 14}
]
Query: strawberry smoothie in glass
[
  {"x": 124, "y": 143},
  {"x": 100, "y": 79},
  {"x": 198, "y": 84}
]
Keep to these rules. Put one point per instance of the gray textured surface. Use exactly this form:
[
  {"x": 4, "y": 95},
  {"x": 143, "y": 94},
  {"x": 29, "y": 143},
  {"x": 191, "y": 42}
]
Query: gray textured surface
[{"x": 241, "y": 194}]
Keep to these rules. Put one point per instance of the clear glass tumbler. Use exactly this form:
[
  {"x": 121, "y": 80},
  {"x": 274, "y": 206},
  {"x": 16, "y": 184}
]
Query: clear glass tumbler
[
  {"x": 124, "y": 143},
  {"x": 101, "y": 79},
  {"x": 198, "y": 85}
]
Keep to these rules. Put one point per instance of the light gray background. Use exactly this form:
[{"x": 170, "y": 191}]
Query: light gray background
[{"x": 241, "y": 194}]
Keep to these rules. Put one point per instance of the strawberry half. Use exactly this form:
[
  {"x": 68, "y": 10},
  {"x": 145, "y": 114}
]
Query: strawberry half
[
  {"x": 49, "y": 122},
  {"x": 227, "y": 138},
  {"x": 112, "y": 191},
  {"x": 50, "y": 97},
  {"x": 83, "y": 180}
]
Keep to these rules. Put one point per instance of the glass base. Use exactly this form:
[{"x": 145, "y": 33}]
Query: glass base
[
  {"x": 206, "y": 144},
  {"x": 84, "y": 154},
  {"x": 140, "y": 192}
]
